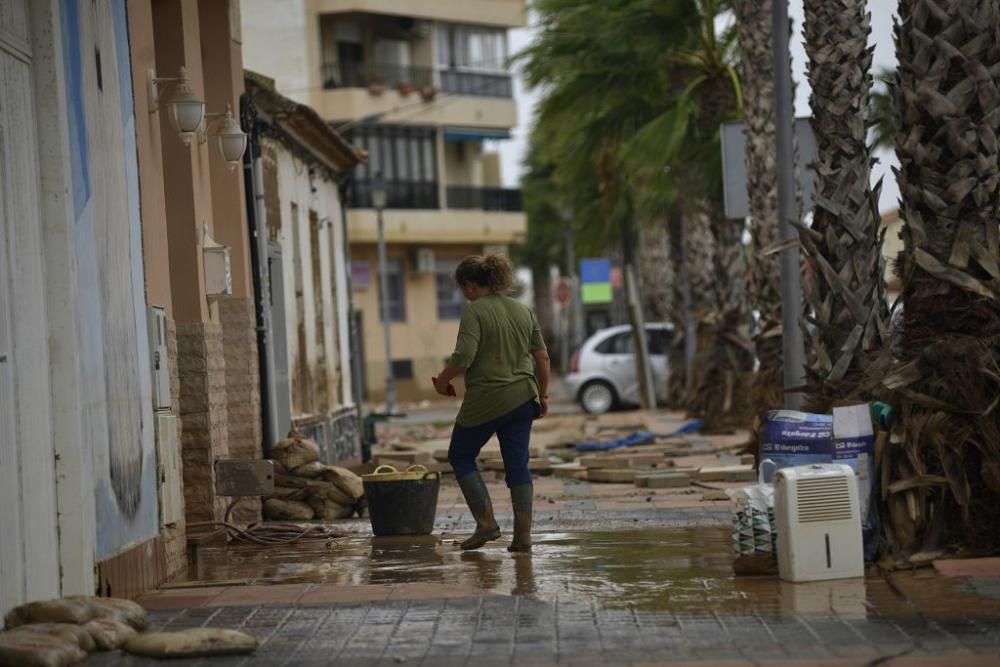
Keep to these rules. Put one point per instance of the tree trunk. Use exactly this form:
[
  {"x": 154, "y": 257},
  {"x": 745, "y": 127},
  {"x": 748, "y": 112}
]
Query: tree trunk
[
  {"x": 846, "y": 293},
  {"x": 943, "y": 462},
  {"x": 753, "y": 20}
]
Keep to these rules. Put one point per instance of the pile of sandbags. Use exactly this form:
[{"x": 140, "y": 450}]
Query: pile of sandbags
[
  {"x": 305, "y": 489},
  {"x": 55, "y": 633}
]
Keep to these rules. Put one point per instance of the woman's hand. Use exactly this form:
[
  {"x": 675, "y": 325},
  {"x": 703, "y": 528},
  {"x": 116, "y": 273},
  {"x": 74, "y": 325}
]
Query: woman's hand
[
  {"x": 443, "y": 387},
  {"x": 543, "y": 404}
]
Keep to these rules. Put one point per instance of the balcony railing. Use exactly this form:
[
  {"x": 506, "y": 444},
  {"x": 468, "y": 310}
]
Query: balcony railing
[
  {"x": 399, "y": 195},
  {"x": 363, "y": 74},
  {"x": 484, "y": 199},
  {"x": 458, "y": 82}
]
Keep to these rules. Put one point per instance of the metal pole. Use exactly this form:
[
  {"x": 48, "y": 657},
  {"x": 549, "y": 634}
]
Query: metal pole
[
  {"x": 791, "y": 292},
  {"x": 390, "y": 381}
]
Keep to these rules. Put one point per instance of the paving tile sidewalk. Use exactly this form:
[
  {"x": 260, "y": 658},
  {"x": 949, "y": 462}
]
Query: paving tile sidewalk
[{"x": 514, "y": 630}]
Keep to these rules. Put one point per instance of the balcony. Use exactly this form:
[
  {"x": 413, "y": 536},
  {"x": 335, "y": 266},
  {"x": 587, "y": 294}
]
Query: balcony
[
  {"x": 484, "y": 199},
  {"x": 402, "y": 195},
  {"x": 457, "y": 82},
  {"x": 367, "y": 75}
]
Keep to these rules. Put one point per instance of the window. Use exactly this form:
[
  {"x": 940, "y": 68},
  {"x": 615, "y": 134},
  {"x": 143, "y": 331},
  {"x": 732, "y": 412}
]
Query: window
[
  {"x": 449, "y": 296},
  {"x": 472, "y": 47},
  {"x": 402, "y": 369},
  {"x": 657, "y": 342},
  {"x": 407, "y": 159},
  {"x": 396, "y": 289}
]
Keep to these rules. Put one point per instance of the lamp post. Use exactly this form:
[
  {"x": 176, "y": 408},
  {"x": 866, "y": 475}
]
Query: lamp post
[{"x": 378, "y": 201}]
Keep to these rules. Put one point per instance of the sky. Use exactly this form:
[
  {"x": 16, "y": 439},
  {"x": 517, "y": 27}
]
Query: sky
[{"x": 882, "y": 11}]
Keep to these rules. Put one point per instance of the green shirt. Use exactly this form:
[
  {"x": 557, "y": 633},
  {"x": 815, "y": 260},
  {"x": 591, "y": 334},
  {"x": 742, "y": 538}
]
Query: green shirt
[{"x": 496, "y": 339}]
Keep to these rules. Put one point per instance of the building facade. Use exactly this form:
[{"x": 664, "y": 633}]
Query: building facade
[
  {"x": 301, "y": 163},
  {"x": 128, "y": 367},
  {"x": 423, "y": 88}
]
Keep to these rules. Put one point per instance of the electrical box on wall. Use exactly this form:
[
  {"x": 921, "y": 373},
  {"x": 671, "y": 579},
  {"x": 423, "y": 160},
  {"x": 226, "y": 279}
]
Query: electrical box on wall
[
  {"x": 218, "y": 275},
  {"x": 156, "y": 322},
  {"x": 423, "y": 260},
  {"x": 168, "y": 470}
]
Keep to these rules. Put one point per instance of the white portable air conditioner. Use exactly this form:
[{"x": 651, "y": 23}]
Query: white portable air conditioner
[
  {"x": 819, "y": 523},
  {"x": 423, "y": 260}
]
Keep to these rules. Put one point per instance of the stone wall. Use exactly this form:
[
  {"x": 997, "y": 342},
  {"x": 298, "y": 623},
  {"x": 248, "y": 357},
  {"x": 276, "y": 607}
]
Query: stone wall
[
  {"x": 174, "y": 536},
  {"x": 201, "y": 366},
  {"x": 239, "y": 334}
]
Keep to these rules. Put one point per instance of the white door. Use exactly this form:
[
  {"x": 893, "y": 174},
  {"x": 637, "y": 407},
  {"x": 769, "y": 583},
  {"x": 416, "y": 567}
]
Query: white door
[
  {"x": 658, "y": 342},
  {"x": 28, "y": 546},
  {"x": 619, "y": 365}
]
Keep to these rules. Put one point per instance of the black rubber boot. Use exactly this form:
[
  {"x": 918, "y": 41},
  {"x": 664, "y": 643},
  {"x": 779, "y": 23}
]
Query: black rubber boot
[
  {"x": 520, "y": 497},
  {"x": 477, "y": 497}
]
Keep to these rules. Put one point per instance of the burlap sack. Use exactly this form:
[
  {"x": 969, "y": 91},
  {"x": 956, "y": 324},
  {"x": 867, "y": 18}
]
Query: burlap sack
[
  {"x": 327, "y": 510},
  {"x": 70, "y": 610},
  {"x": 109, "y": 634},
  {"x": 310, "y": 470},
  {"x": 69, "y": 632},
  {"x": 194, "y": 643},
  {"x": 346, "y": 480},
  {"x": 287, "y": 510},
  {"x": 118, "y": 609},
  {"x": 24, "y": 648},
  {"x": 295, "y": 451}
]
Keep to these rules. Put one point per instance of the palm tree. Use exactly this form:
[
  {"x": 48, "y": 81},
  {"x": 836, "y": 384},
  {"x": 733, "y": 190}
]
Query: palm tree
[
  {"x": 633, "y": 87},
  {"x": 847, "y": 295},
  {"x": 753, "y": 20},
  {"x": 943, "y": 461}
]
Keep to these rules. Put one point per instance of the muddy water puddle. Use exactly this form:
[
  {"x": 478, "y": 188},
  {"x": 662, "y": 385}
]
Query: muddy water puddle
[{"x": 685, "y": 570}]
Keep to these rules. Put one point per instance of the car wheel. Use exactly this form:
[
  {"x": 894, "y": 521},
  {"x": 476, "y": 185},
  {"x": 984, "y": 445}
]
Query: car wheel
[{"x": 597, "y": 397}]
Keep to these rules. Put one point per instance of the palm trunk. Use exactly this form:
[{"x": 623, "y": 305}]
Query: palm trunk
[
  {"x": 753, "y": 20},
  {"x": 847, "y": 294},
  {"x": 942, "y": 466}
]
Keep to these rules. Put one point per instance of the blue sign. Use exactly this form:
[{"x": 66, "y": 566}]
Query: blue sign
[{"x": 595, "y": 270}]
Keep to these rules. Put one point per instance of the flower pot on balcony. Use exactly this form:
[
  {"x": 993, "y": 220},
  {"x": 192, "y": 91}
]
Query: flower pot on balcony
[
  {"x": 405, "y": 89},
  {"x": 428, "y": 93},
  {"x": 376, "y": 88}
]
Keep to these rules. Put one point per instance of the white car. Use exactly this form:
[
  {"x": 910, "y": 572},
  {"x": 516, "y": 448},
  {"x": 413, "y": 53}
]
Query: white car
[{"x": 602, "y": 374}]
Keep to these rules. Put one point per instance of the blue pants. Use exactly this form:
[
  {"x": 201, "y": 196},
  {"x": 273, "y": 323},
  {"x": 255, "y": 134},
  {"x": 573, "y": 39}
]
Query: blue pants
[{"x": 513, "y": 430}]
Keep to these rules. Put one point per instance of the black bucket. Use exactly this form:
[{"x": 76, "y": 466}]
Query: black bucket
[{"x": 402, "y": 503}]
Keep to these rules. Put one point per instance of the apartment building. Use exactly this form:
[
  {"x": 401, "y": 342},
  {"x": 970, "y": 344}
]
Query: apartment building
[{"x": 424, "y": 89}]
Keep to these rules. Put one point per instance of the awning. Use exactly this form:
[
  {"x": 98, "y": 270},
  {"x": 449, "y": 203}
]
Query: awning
[{"x": 470, "y": 134}]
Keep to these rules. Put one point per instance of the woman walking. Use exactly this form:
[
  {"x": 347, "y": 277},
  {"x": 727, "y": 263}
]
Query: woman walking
[{"x": 506, "y": 366}]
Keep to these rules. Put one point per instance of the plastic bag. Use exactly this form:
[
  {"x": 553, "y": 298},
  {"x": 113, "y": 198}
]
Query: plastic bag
[{"x": 755, "y": 529}]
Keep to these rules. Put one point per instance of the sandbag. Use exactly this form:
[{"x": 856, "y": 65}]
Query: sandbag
[
  {"x": 310, "y": 470},
  {"x": 288, "y": 493},
  {"x": 68, "y": 610},
  {"x": 117, "y": 609},
  {"x": 329, "y": 491},
  {"x": 292, "y": 482},
  {"x": 345, "y": 480},
  {"x": 109, "y": 634},
  {"x": 69, "y": 632},
  {"x": 24, "y": 648},
  {"x": 328, "y": 510},
  {"x": 193, "y": 643},
  {"x": 295, "y": 451},
  {"x": 287, "y": 510}
]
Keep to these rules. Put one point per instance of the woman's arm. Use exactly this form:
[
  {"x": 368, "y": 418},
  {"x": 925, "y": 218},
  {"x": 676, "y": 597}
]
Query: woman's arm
[{"x": 542, "y": 374}]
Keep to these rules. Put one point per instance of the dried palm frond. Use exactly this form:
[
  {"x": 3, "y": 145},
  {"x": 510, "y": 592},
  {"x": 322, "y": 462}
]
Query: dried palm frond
[
  {"x": 945, "y": 377},
  {"x": 847, "y": 293}
]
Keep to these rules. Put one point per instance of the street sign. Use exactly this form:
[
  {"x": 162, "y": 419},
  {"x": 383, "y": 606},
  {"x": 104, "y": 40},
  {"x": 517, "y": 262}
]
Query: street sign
[
  {"x": 563, "y": 292},
  {"x": 734, "y": 169},
  {"x": 595, "y": 279}
]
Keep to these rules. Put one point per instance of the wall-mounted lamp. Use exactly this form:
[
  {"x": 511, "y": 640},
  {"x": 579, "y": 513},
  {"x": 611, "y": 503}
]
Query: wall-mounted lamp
[
  {"x": 218, "y": 275},
  {"x": 185, "y": 110},
  {"x": 232, "y": 138}
]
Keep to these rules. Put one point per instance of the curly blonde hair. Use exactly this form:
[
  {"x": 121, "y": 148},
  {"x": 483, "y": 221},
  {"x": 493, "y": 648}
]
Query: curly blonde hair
[{"x": 493, "y": 271}]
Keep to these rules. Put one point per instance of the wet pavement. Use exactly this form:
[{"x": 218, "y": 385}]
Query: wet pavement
[{"x": 618, "y": 576}]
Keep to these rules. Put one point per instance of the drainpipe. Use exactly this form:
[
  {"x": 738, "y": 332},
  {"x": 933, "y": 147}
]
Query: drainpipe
[{"x": 257, "y": 223}]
